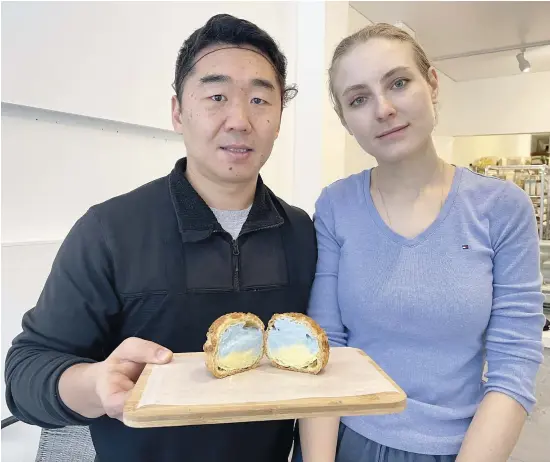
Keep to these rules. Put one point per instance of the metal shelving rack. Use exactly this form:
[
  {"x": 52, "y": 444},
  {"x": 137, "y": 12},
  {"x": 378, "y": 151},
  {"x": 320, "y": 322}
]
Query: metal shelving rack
[
  {"x": 542, "y": 208},
  {"x": 541, "y": 204}
]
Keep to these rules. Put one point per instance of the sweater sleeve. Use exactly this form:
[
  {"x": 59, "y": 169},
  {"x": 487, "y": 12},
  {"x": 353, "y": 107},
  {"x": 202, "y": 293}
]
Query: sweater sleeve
[
  {"x": 323, "y": 305},
  {"x": 514, "y": 334},
  {"x": 67, "y": 326}
]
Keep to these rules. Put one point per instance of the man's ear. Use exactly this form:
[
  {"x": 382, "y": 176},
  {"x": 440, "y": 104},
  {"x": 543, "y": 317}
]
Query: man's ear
[
  {"x": 279, "y": 126},
  {"x": 176, "y": 115}
]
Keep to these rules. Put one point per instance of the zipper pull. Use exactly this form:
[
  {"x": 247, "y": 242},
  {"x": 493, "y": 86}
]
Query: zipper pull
[{"x": 235, "y": 248}]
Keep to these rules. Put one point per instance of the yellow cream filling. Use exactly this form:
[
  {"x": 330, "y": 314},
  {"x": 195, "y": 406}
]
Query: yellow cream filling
[
  {"x": 298, "y": 356},
  {"x": 237, "y": 360}
]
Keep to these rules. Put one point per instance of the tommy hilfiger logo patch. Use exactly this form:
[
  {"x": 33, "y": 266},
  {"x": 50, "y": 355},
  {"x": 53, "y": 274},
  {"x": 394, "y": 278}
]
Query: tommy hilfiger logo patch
[{"x": 465, "y": 247}]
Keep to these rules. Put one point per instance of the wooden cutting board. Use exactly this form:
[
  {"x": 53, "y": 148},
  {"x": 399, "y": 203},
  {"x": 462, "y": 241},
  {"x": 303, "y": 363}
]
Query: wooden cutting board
[{"x": 185, "y": 393}]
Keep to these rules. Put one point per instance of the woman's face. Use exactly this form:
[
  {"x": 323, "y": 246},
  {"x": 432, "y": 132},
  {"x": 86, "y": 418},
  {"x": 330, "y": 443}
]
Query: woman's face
[{"x": 387, "y": 104}]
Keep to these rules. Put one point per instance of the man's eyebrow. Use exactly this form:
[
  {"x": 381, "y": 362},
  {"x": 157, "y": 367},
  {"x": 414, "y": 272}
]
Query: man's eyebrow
[
  {"x": 215, "y": 78},
  {"x": 263, "y": 83},
  {"x": 221, "y": 78},
  {"x": 387, "y": 75}
]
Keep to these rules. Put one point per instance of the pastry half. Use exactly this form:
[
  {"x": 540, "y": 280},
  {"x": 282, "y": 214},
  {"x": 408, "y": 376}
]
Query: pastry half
[
  {"x": 296, "y": 342},
  {"x": 234, "y": 344}
]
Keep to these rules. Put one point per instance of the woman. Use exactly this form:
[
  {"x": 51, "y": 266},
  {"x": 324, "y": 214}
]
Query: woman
[{"x": 425, "y": 266}]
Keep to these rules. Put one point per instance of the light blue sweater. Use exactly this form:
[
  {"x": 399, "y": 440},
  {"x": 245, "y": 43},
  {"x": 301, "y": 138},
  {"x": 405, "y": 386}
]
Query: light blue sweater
[{"x": 428, "y": 309}]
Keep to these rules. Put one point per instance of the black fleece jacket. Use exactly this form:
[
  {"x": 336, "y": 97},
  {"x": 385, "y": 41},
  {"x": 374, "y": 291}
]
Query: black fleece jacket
[{"x": 156, "y": 264}]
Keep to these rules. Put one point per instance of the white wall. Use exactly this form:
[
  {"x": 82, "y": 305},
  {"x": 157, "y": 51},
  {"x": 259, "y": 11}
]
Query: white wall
[
  {"x": 333, "y": 133},
  {"x": 444, "y": 147},
  {"x": 505, "y": 105},
  {"x": 466, "y": 149},
  {"x": 112, "y": 60},
  {"x": 444, "y": 129},
  {"x": 495, "y": 117},
  {"x": 54, "y": 168},
  {"x": 356, "y": 21},
  {"x": 308, "y": 117}
]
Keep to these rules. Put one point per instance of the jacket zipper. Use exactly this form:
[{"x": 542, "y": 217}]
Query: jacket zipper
[{"x": 236, "y": 254}]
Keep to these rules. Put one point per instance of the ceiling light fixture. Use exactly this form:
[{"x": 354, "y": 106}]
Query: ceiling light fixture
[
  {"x": 518, "y": 46},
  {"x": 524, "y": 65}
]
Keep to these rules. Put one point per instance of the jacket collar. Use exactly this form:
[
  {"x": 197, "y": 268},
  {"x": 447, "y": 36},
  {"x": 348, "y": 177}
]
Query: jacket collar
[{"x": 195, "y": 219}]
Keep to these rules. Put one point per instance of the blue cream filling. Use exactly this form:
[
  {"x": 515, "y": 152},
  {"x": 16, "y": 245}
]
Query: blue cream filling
[
  {"x": 286, "y": 333},
  {"x": 240, "y": 339}
]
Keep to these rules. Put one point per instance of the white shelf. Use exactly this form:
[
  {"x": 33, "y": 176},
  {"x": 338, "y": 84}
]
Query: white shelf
[{"x": 518, "y": 167}]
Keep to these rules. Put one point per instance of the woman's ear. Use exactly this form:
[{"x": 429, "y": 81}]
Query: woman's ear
[{"x": 433, "y": 82}]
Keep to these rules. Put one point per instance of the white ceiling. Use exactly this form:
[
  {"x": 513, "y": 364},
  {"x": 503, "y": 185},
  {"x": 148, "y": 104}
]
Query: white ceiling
[{"x": 451, "y": 28}]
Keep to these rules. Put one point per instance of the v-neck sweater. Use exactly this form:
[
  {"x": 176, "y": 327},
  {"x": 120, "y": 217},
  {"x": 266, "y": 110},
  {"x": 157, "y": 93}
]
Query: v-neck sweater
[{"x": 429, "y": 310}]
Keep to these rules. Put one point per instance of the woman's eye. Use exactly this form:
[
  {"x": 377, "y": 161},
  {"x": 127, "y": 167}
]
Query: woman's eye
[
  {"x": 218, "y": 98},
  {"x": 401, "y": 83},
  {"x": 258, "y": 101},
  {"x": 357, "y": 101}
]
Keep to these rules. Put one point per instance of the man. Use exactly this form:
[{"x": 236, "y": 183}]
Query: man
[{"x": 144, "y": 275}]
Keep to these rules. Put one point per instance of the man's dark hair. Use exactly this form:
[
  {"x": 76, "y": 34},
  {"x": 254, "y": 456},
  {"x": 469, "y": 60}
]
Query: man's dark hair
[{"x": 229, "y": 30}]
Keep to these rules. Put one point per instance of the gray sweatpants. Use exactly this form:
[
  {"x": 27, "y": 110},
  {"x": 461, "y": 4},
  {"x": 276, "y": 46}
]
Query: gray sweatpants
[{"x": 353, "y": 447}]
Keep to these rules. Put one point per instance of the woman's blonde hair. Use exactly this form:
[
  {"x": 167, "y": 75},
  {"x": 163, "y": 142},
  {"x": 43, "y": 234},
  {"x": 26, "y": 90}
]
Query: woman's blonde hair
[{"x": 380, "y": 30}]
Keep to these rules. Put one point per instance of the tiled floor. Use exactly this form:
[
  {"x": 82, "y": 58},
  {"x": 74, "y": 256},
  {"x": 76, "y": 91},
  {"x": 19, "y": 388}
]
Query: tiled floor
[{"x": 534, "y": 442}]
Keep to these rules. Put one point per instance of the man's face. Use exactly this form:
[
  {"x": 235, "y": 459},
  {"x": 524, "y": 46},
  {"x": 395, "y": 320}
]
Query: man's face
[{"x": 230, "y": 114}]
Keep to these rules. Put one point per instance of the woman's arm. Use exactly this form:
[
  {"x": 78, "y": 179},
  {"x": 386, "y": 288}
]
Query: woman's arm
[
  {"x": 318, "y": 436},
  {"x": 514, "y": 334},
  {"x": 494, "y": 431},
  {"x": 323, "y": 301}
]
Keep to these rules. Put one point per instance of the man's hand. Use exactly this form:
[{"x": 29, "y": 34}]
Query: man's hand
[{"x": 93, "y": 390}]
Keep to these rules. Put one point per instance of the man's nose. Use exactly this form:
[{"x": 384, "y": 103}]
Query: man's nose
[{"x": 238, "y": 117}]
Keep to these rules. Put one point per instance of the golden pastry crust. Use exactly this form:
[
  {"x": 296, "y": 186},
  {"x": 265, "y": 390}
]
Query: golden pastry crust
[
  {"x": 319, "y": 334},
  {"x": 213, "y": 336}
]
